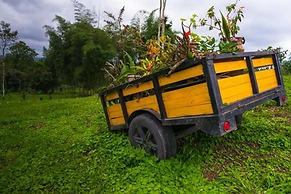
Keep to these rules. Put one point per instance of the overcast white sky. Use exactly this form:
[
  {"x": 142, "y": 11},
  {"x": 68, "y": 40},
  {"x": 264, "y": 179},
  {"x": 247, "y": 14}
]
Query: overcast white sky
[{"x": 265, "y": 23}]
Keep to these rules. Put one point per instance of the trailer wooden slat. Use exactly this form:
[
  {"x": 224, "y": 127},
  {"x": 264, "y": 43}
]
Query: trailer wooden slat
[
  {"x": 227, "y": 66},
  {"x": 203, "y": 109},
  {"x": 235, "y": 88},
  {"x": 111, "y": 96},
  {"x": 149, "y": 102},
  {"x": 261, "y": 62},
  {"x": 132, "y": 89},
  {"x": 187, "y": 91},
  {"x": 266, "y": 79},
  {"x": 181, "y": 75}
]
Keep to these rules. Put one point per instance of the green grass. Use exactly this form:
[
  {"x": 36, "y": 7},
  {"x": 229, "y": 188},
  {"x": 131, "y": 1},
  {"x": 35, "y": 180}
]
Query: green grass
[{"x": 63, "y": 146}]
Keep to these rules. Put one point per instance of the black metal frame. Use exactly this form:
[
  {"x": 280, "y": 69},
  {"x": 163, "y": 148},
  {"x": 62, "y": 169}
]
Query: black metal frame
[
  {"x": 252, "y": 74},
  {"x": 212, "y": 84},
  {"x": 209, "y": 123},
  {"x": 159, "y": 96}
]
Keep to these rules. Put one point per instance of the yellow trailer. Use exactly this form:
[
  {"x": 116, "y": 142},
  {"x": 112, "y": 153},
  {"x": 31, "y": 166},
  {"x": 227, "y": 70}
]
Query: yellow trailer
[{"x": 208, "y": 94}]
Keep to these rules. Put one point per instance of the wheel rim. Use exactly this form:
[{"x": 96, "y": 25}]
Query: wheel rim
[{"x": 145, "y": 140}]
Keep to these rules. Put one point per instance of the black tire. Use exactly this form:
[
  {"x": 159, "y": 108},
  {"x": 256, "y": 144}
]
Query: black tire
[{"x": 146, "y": 132}]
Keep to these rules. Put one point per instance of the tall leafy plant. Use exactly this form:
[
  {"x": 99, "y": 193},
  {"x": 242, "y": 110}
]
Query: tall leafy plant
[{"x": 226, "y": 24}]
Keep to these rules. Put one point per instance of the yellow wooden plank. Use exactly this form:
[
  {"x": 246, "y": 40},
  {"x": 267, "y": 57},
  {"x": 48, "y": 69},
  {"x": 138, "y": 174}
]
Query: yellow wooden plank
[
  {"x": 190, "y": 111},
  {"x": 114, "y": 111},
  {"x": 235, "y": 88},
  {"x": 111, "y": 96},
  {"x": 233, "y": 81},
  {"x": 117, "y": 121},
  {"x": 115, "y": 107},
  {"x": 132, "y": 89},
  {"x": 181, "y": 75},
  {"x": 227, "y": 66},
  {"x": 188, "y": 101},
  {"x": 267, "y": 87},
  {"x": 115, "y": 114},
  {"x": 149, "y": 102},
  {"x": 236, "y": 97},
  {"x": 141, "y": 102},
  {"x": 261, "y": 62},
  {"x": 232, "y": 91},
  {"x": 148, "y": 106},
  {"x": 187, "y": 91},
  {"x": 192, "y": 100},
  {"x": 265, "y": 73},
  {"x": 173, "y": 102},
  {"x": 267, "y": 81},
  {"x": 240, "y": 92}
]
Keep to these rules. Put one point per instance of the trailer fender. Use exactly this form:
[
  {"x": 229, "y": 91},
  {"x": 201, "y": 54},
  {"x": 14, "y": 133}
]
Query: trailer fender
[{"x": 143, "y": 111}]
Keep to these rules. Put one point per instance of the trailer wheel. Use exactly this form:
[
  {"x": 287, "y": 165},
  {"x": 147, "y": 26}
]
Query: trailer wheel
[{"x": 146, "y": 132}]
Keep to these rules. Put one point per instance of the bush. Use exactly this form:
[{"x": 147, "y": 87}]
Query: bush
[{"x": 287, "y": 67}]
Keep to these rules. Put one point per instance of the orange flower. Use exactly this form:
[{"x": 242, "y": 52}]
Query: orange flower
[{"x": 150, "y": 65}]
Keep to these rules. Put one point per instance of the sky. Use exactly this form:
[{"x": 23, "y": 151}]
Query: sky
[{"x": 266, "y": 23}]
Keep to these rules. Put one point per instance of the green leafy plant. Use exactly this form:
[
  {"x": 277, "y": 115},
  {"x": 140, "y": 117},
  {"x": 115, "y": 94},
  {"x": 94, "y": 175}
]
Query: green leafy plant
[
  {"x": 119, "y": 71},
  {"x": 228, "y": 46},
  {"x": 129, "y": 68},
  {"x": 227, "y": 24},
  {"x": 204, "y": 45},
  {"x": 193, "y": 45},
  {"x": 159, "y": 54},
  {"x": 155, "y": 58}
]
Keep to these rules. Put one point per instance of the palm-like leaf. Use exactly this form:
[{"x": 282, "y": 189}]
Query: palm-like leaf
[{"x": 225, "y": 27}]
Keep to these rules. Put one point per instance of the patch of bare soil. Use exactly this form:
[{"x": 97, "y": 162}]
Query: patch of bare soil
[
  {"x": 225, "y": 156},
  {"x": 280, "y": 112}
]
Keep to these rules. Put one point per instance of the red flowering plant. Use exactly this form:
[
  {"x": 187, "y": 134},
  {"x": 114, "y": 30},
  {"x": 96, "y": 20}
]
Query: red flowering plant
[{"x": 196, "y": 46}]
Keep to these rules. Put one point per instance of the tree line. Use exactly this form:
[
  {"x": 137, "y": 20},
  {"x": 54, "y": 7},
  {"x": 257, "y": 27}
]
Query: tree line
[{"x": 77, "y": 51}]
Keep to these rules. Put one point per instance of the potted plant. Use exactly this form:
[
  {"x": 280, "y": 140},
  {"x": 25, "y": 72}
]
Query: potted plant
[{"x": 226, "y": 24}]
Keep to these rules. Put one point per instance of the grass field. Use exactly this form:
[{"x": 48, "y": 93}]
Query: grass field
[{"x": 63, "y": 146}]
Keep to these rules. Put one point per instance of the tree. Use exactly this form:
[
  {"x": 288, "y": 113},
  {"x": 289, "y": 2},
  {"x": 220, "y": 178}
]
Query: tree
[
  {"x": 7, "y": 39},
  {"x": 87, "y": 50},
  {"x": 21, "y": 56},
  {"x": 82, "y": 14},
  {"x": 54, "y": 55},
  {"x": 287, "y": 65},
  {"x": 78, "y": 51},
  {"x": 282, "y": 54},
  {"x": 114, "y": 24},
  {"x": 150, "y": 26},
  {"x": 126, "y": 38},
  {"x": 21, "y": 60}
]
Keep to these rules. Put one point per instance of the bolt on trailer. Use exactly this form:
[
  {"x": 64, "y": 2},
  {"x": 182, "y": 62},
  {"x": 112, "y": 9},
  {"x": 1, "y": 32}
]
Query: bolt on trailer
[{"x": 208, "y": 94}]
